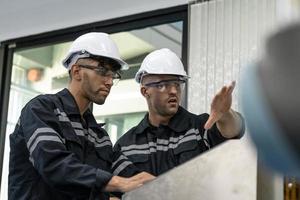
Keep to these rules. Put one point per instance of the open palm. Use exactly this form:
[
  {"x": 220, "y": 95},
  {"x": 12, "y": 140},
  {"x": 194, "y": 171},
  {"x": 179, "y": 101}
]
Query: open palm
[{"x": 221, "y": 104}]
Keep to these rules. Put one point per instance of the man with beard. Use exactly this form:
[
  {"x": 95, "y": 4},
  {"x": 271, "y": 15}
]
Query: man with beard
[
  {"x": 58, "y": 151},
  {"x": 169, "y": 135}
]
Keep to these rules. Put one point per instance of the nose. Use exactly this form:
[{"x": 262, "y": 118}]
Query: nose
[
  {"x": 173, "y": 88},
  {"x": 108, "y": 80}
]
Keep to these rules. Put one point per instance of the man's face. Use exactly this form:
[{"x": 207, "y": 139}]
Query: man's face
[
  {"x": 97, "y": 80},
  {"x": 163, "y": 93}
]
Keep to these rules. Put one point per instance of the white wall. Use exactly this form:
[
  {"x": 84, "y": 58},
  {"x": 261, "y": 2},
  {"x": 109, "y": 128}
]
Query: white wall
[
  {"x": 226, "y": 36},
  {"x": 24, "y": 18}
]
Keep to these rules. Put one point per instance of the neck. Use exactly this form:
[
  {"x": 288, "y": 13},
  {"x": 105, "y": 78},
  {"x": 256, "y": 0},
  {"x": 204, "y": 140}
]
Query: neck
[
  {"x": 156, "y": 119},
  {"x": 81, "y": 102}
]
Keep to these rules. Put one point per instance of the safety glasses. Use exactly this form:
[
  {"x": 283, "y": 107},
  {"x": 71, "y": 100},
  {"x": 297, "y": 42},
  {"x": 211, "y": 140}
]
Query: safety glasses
[
  {"x": 166, "y": 85},
  {"x": 103, "y": 71}
]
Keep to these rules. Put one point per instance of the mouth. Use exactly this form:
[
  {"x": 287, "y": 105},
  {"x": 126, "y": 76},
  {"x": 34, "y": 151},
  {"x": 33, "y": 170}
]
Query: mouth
[
  {"x": 173, "y": 101},
  {"x": 106, "y": 92}
]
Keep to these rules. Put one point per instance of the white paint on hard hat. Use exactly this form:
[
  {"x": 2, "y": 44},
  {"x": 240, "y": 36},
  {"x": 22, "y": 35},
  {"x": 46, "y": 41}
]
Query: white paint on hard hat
[
  {"x": 162, "y": 61},
  {"x": 96, "y": 44}
]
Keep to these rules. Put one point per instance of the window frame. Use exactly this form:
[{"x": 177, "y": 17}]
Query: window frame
[{"x": 126, "y": 23}]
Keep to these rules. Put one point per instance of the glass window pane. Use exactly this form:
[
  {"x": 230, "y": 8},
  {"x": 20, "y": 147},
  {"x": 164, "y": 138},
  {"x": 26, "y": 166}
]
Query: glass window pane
[
  {"x": 125, "y": 106},
  {"x": 39, "y": 70},
  {"x": 35, "y": 71}
]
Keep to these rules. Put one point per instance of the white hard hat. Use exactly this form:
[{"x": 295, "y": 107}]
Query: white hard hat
[
  {"x": 96, "y": 44},
  {"x": 162, "y": 61}
]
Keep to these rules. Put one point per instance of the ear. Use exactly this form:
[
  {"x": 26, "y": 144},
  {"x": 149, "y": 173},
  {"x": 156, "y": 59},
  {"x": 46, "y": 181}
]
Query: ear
[
  {"x": 144, "y": 92},
  {"x": 76, "y": 72}
]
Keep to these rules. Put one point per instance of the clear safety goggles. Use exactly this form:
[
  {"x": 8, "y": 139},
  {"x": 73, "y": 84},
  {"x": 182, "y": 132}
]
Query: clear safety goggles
[
  {"x": 166, "y": 85},
  {"x": 105, "y": 72}
]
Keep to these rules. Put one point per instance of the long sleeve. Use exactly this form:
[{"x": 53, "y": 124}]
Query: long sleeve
[{"x": 58, "y": 167}]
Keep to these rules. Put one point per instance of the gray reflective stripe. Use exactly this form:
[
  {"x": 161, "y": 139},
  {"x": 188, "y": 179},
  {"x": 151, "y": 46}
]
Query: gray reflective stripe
[
  {"x": 140, "y": 146},
  {"x": 205, "y": 139},
  {"x": 106, "y": 143},
  {"x": 205, "y": 134},
  {"x": 57, "y": 111},
  {"x": 97, "y": 139},
  {"x": 164, "y": 145},
  {"x": 79, "y": 132},
  {"x": 176, "y": 139},
  {"x": 186, "y": 139},
  {"x": 133, "y": 152},
  {"x": 31, "y": 160},
  {"x": 44, "y": 138},
  {"x": 42, "y": 130},
  {"x": 163, "y": 148},
  {"x": 120, "y": 158},
  {"x": 121, "y": 167},
  {"x": 76, "y": 125},
  {"x": 63, "y": 119},
  {"x": 62, "y": 116},
  {"x": 93, "y": 137}
]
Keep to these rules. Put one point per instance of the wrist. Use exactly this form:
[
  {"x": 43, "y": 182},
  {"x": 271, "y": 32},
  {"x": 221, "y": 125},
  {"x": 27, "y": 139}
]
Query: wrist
[
  {"x": 230, "y": 124},
  {"x": 113, "y": 184}
]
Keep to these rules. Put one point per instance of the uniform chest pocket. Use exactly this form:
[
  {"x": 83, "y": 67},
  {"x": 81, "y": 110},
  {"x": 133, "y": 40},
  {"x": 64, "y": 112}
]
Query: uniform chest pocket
[{"x": 186, "y": 151}]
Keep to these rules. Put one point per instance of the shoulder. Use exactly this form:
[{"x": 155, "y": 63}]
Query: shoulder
[
  {"x": 43, "y": 100},
  {"x": 128, "y": 137},
  {"x": 42, "y": 106}
]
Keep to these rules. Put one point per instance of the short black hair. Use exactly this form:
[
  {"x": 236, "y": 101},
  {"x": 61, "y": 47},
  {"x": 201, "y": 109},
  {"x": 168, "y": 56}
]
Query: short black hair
[{"x": 116, "y": 66}]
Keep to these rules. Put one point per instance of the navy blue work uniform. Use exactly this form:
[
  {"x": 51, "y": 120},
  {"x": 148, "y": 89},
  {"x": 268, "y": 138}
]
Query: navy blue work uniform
[
  {"x": 159, "y": 149},
  {"x": 57, "y": 154}
]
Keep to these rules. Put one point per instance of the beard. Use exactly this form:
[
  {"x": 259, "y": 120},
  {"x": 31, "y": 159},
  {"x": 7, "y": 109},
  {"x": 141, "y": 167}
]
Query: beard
[
  {"x": 167, "y": 110},
  {"x": 98, "y": 99},
  {"x": 93, "y": 95}
]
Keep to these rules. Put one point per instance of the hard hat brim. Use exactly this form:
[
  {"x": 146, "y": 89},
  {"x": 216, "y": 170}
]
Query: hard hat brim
[
  {"x": 139, "y": 76},
  {"x": 123, "y": 64}
]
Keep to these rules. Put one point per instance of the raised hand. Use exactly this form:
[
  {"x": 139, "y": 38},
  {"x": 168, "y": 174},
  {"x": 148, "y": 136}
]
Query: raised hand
[{"x": 220, "y": 105}]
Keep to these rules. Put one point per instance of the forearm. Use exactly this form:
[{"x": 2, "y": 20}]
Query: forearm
[
  {"x": 67, "y": 174},
  {"x": 230, "y": 125}
]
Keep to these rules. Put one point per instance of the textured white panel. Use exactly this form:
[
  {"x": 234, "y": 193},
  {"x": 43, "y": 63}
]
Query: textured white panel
[
  {"x": 197, "y": 83},
  {"x": 225, "y": 36}
]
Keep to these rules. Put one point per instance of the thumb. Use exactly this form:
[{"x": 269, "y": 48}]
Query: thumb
[{"x": 211, "y": 120}]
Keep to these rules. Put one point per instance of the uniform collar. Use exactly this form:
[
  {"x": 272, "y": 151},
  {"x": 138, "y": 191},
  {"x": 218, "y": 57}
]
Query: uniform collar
[
  {"x": 71, "y": 108},
  {"x": 179, "y": 122}
]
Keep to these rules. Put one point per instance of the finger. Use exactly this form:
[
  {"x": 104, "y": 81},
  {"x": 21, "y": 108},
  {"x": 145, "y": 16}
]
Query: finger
[
  {"x": 231, "y": 87},
  {"x": 210, "y": 122},
  {"x": 223, "y": 90}
]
